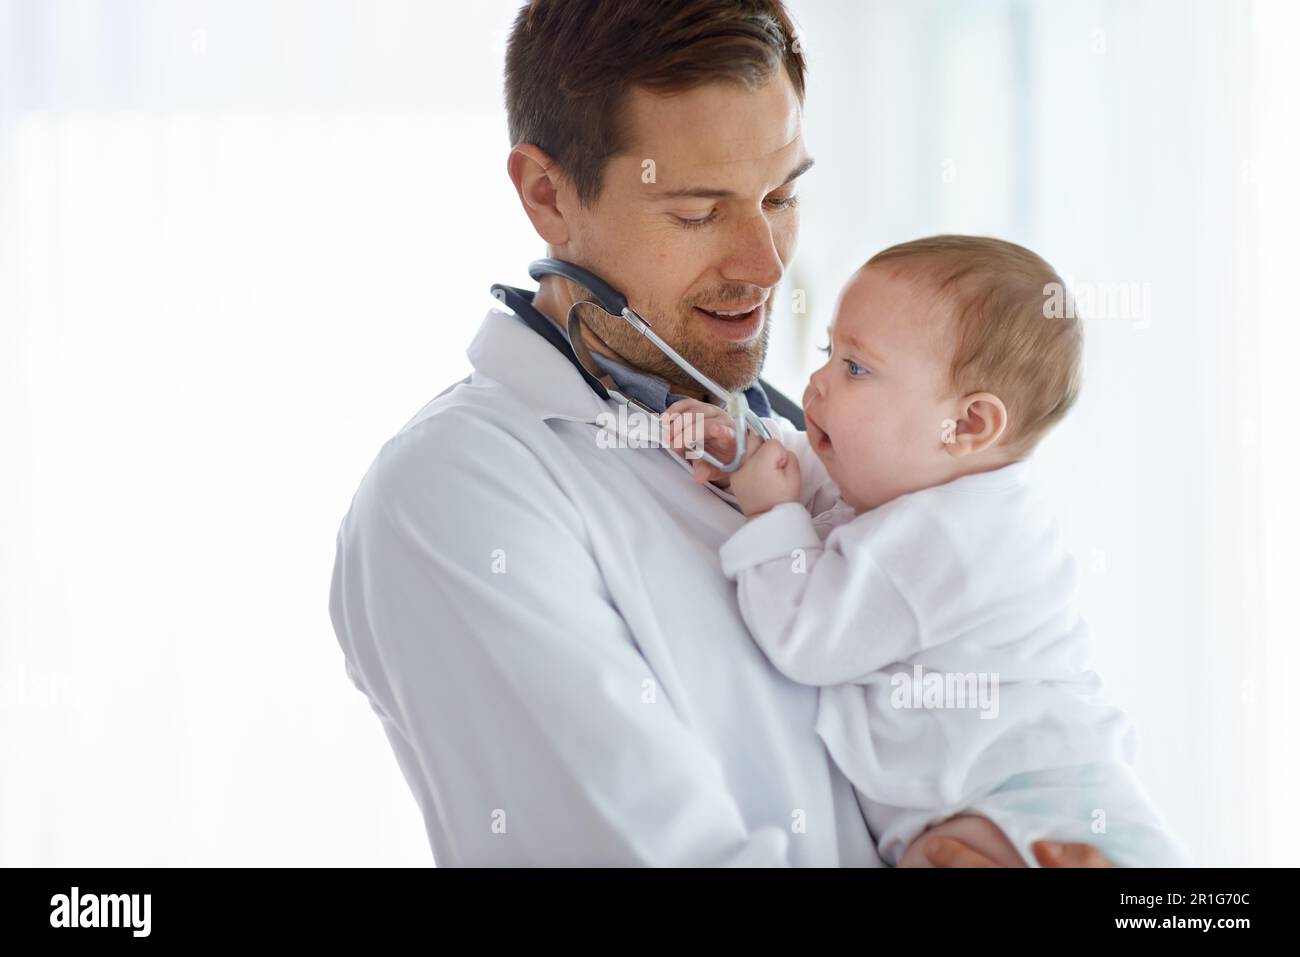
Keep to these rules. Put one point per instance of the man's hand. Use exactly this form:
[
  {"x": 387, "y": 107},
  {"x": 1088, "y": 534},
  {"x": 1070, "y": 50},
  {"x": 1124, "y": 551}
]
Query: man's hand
[
  {"x": 689, "y": 425},
  {"x": 948, "y": 852},
  {"x": 965, "y": 840},
  {"x": 972, "y": 841}
]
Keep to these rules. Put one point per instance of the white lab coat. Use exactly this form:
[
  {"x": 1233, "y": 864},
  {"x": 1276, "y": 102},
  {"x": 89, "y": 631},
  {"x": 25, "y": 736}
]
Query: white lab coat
[{"x": 560, "y": 665}]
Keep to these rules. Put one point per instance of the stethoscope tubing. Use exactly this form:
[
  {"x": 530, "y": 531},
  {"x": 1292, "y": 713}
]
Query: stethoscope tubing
[{"x": 615, "y": 304}]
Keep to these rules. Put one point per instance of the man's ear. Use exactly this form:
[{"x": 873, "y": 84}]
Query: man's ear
[
  {"x": 981, "y": 420},
  {"x": 537, "y": 181}
]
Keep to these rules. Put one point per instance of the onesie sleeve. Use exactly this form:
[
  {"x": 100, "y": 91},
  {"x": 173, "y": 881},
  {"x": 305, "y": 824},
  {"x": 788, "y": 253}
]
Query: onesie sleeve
[{"x": 824, "y": 613}]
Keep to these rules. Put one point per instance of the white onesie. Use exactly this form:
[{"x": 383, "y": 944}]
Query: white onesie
[{"x": 943, "y": 632}]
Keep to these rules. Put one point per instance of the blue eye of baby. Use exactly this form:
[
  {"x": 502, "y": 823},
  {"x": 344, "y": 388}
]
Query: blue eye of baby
[{"x": 855, "y": 370}]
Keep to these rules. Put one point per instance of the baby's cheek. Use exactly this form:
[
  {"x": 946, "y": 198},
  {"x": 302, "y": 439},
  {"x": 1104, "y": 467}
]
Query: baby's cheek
[
  {"x": 914, "y": 434},
  {"x": 880, "y": 439}
]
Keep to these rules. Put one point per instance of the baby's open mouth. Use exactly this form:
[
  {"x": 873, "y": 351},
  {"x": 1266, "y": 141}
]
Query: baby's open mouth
[{"x": 820, "y": 440}]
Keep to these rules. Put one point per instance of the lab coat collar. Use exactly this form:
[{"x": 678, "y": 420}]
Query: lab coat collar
[{"x": 506, "y": 350}]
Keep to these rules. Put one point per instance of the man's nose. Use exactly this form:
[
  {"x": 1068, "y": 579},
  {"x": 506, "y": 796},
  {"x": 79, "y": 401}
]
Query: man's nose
[{"x": 753, "y": 256}]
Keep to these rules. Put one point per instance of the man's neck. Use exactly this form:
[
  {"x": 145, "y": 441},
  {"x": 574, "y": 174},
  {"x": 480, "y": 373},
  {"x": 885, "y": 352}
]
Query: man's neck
[
  {"x": 553, "y": 300},
  {"x": 549, "y": 301}
]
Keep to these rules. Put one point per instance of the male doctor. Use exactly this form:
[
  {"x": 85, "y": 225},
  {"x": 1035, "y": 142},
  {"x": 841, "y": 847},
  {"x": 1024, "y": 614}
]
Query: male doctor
[{"x": 539, "y": 620}]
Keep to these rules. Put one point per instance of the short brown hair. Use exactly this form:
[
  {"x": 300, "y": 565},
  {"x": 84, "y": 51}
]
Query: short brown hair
[
  {"x": 1007, "y": 341},
  {"x": 571, "y": 63}
]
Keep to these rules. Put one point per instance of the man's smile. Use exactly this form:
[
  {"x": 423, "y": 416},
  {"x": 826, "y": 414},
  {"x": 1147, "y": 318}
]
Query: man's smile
[{"x": 734, "y": 328}]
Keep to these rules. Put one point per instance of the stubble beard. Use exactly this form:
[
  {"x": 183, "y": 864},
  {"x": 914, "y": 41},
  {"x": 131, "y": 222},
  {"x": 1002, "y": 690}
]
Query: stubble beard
[{"x": 732, "y": 365}]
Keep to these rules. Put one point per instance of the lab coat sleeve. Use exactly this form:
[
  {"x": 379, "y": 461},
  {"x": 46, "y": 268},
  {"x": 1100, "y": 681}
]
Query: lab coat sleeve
[
  {"x": 473, "y": 615},
  {"x": 824, "y": 613},
  {"x": 817, "y": 490}
]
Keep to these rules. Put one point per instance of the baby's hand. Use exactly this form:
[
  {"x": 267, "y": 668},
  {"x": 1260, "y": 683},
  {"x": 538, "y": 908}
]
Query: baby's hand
[
  {"x": 689, "y": 425},
  {"x": 769, "y": 477}
]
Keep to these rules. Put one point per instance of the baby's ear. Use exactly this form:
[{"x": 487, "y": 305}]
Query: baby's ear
[{"x": 981, "y": 421}]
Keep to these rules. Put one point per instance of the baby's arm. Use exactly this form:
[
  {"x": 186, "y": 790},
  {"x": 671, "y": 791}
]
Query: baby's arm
[{"x": 823, "y": 612}]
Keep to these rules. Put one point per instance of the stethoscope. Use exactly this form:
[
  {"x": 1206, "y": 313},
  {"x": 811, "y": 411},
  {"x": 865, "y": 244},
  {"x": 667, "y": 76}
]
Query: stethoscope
[{"x": 615, "y": 304}]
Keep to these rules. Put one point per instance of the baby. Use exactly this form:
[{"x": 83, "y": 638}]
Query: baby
[{"x": 895, "y": 555}]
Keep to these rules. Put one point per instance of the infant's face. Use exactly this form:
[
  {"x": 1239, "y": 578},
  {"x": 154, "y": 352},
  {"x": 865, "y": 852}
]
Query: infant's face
[{"x": 875, "y": 411}]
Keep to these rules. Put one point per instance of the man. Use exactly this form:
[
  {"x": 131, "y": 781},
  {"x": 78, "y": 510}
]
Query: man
[{"x": 540, "y": 620}]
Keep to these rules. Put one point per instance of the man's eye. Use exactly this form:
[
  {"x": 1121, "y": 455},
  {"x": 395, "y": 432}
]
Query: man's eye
[
  {"x": 688, "y": 222},
  {"x": 856, "y": 371},
  {"x": 692, "y": 223}
]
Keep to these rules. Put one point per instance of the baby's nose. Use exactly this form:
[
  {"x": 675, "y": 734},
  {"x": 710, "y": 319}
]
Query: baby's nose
[{"x": 814, "y": 388}]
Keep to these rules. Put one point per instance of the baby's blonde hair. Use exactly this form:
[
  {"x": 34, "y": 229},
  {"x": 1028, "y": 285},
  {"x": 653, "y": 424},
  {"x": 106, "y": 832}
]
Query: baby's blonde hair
[{"x": 1007, "y": 340}]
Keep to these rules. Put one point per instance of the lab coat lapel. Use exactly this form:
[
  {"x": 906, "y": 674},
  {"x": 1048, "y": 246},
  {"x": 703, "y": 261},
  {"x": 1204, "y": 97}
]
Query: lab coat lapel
[
  {"x": 507, "y": 351},
  {"x": 510, "y": 353}
]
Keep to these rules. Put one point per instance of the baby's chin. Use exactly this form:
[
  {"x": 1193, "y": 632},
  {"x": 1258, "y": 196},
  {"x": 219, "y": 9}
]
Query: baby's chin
[
  {"x": 865, "y": 500},
  {"x": 854, "y": 478},
  {"x": 848, "y": 490}
]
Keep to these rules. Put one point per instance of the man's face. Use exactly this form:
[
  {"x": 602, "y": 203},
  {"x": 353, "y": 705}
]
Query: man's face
[{"x": 697, "y": 218}]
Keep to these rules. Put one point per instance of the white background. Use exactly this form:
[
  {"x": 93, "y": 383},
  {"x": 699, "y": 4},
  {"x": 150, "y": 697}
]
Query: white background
[{"x": 241, "y": 243}]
